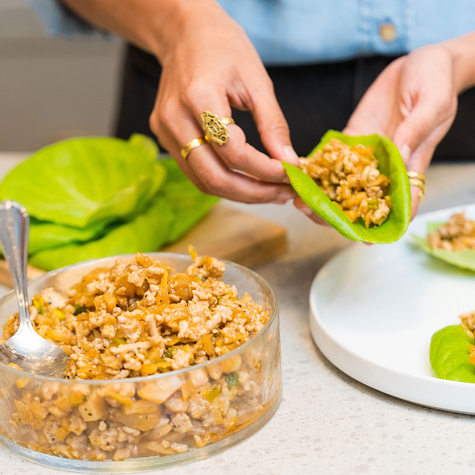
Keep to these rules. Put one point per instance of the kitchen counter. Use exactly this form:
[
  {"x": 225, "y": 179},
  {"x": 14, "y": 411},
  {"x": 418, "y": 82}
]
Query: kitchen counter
[{"x": 328, "y": 423}]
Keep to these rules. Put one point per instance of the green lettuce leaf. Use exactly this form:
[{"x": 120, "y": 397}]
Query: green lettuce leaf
[
  {"x": 44, "y": 235},
  {"x": 449, "y": 354},
  {"x": 189, "y": 204},
  {"x": 146, "y": 232},
  {"x": 83, "y": 181},
  {"x": 390, "y": 163},
  {"x": 464, "y": 259}
]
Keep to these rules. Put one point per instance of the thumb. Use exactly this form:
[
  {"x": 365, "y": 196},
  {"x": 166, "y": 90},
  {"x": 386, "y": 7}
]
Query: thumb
[{"x": 273, "y": 128}]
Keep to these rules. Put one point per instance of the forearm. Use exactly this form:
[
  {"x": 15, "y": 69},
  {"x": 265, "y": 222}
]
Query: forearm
[
  {"x": 462, "y": 50},
  {"x": 149, "y": 24}
]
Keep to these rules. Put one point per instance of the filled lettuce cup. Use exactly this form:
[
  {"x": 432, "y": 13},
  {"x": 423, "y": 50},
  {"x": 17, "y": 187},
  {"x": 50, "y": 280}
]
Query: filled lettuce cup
[
  {"x": 452, "y": 351},
  {"x": 358, "y": 185},
  {"x": 452, "y": 242}
]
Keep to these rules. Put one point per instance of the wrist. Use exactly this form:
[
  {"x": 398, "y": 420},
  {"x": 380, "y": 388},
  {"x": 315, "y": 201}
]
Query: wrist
[
  {"x": 169, "y": 26},
  {"x": 462, "y": 51}
]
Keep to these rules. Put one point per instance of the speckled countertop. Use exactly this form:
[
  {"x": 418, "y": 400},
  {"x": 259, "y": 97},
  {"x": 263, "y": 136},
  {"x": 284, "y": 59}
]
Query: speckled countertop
[{"x": 329, "y": 424}]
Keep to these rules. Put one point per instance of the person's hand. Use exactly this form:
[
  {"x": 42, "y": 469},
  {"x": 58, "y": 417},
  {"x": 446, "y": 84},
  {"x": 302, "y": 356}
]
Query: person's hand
[
  {"x": 210, "y": 64},
  {"x": 413, "y": 102}
]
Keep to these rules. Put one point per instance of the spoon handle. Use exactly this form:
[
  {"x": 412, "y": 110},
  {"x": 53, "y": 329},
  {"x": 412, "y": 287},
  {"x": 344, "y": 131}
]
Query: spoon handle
[{"x": 14, "y": 234}]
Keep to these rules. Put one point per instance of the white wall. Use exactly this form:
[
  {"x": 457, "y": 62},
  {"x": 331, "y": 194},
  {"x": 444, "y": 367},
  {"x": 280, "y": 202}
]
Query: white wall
[{"x": 52, "y": 88}]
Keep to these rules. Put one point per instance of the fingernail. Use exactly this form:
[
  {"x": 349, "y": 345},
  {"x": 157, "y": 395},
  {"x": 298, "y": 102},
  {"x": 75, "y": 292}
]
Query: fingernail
[
  {"x": 290, "y": 154},
  {"x": 405, "y": 153}
]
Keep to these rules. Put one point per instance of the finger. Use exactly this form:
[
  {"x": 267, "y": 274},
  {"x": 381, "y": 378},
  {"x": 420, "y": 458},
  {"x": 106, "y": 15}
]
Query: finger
[
  {"x": 223, "y": 182},
  {"x": 271, "y": 124},
  {"x": 301, "y": 206},
  {"x": 212, "y": 175},
  {"x": 415, "y": 129},
  {"x": 236, "y": 153},
  {"x": 415, "y": 200},
  {"x": 169, "y": 142},
  {"x": 418, "y": 162}
]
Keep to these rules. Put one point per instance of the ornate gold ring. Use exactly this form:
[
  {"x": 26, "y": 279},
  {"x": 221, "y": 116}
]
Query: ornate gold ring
[
  {"x": 185, "y": 151},
  {"x": 215, "y": 128},
  {"x": 419, "y": 176},
  {"x": 419, "y": 180}
]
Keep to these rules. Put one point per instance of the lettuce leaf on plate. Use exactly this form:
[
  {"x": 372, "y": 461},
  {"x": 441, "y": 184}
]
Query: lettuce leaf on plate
[
  {"x": 390, "y": 164},
  {"x": 189, "y": 204},
  {"x": 465, "y": 259},
  {"x": 449, "y": 354},
  {"x": 144, "y": 233},
  {"x": 83, "y": 181}
]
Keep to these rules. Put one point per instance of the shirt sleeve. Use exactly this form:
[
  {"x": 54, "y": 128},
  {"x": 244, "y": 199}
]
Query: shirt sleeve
[{"x": 60, "y": 21}]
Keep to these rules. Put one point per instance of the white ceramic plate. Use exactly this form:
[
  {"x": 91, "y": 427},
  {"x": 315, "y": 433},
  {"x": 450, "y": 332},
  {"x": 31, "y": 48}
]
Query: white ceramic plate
[{"x": 374, "y": 309}]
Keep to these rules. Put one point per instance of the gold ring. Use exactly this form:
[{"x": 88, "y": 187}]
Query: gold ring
[
  {"x": 418, "y": 176},
  {"x": 215, "y": 128},
  {"x": 420, "y": 184},
  {"x": 185, "y": 151}
]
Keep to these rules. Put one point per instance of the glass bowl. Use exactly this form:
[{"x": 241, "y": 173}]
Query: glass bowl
[{"x": 57, "y": 422}]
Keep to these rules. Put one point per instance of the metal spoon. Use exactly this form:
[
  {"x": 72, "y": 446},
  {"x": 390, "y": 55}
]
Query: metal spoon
[{"x": 25, "y": 348}]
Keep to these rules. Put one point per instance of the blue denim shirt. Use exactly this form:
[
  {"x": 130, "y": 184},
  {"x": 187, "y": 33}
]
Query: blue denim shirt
[{"x": 313, "y": 31}]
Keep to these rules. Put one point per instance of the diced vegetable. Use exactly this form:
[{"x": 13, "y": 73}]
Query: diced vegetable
[
  {"x": 61, "y": 316},
  {"x": 373, "y": 204},
  {"x": 21, "y": 383},
  {"x": 232, "y": 363},
  {"x": 94, "y": 408},
  {"x": 232, "y": 379},
  {"x": 141, "y": 422},
  {"x": 213, "y": 393},
  {"x": 161, "y": 389},
  {"x": 140, "y": 407},
  {"x": 78, "y": 310}
]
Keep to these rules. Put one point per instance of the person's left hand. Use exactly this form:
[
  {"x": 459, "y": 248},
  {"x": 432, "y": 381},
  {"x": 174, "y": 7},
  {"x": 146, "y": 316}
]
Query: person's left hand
[{"x": 413, "y": 102}]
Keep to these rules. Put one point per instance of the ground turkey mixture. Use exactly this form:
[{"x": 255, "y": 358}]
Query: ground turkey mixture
[
  {"x": 351, "y": 179},
  {"x": 139, "y": 319},
  {"x": 457, "y": 234},
  {"x": 468, "y": 324}
]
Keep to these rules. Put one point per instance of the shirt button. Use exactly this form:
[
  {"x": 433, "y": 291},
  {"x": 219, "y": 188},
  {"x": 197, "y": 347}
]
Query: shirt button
[{"x": 387, "y": 32}]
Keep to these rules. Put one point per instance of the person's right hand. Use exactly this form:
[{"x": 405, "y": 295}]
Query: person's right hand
[{"x": 209, "y": 64}]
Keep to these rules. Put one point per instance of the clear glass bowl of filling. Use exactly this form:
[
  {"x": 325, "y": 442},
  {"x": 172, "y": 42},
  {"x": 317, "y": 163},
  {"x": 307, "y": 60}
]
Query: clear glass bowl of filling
[{"x": 150, "y": 422}]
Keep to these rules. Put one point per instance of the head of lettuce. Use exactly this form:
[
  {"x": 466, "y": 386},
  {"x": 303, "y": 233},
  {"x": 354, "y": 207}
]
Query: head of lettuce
[{"x": 95, "y": 197}]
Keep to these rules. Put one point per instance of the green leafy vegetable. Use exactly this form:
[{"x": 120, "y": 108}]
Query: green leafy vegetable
[
  {"x": 83, "y": 181},
  {"x": 390, "y": 164},
  {"x": 449, "y": 355},
  {"x": 189, "y": 204},
  {"x": 465, "y": 259},
  {"x": 45, "y": 235},
  {"x": 145, "y": 233}
]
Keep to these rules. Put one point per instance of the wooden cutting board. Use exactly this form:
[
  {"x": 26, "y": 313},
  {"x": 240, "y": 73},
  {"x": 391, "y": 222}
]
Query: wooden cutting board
[{"x": 225, "y": 233}]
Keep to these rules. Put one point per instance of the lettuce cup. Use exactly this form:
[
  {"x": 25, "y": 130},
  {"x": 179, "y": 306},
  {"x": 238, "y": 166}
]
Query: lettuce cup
[{"x": 359, "y": 185}]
